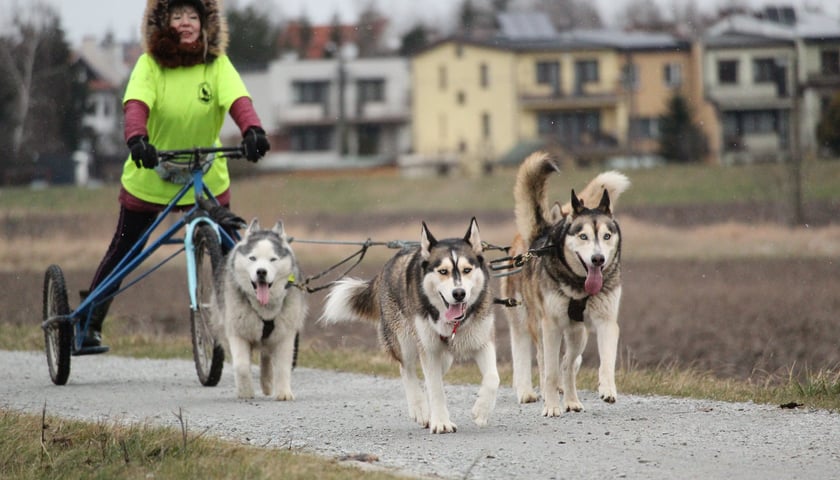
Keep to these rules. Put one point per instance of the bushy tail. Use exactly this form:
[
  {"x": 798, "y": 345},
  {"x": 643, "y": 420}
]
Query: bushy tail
[
  {"x": 530, "y": 196},
  {"x": 351, "y": 299},
  {"x": 615, "y": 183}
]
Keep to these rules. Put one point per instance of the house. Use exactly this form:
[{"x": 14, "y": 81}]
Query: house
[
  {"x": 106, "y": 68},
  {"x": 770, "y": 77},
  {"x": 342, "y": 112},
  {"x": 588, "y": 94}
]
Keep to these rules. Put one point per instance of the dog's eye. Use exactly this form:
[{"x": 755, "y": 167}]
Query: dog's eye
[
  {"x": 607, "y": 236},
  {"x": 443, "y": 272},
  {"x": 252, "y": 258},
  {"x": 467, "y": 270},
  {"x": 583, "y": 236}
]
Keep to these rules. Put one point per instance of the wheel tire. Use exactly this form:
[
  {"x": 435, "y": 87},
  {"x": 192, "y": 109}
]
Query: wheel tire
[
  {"x": 58, "y": 336},
  {"x": 208, "y": 353}
]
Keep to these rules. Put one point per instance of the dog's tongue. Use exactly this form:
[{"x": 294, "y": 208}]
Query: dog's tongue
[
  {"x": 455, "y": 311},
  {"x": 594, "y": 280},
  {"x": 262, "y": 293}
]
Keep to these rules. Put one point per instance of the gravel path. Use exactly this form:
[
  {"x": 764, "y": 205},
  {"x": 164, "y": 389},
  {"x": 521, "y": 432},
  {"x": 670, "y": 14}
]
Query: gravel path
[{"x": 337, "y": 414}]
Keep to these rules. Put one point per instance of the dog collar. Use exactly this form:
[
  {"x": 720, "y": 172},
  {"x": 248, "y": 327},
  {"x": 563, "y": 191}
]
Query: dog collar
[{"x": 445, "y": 339}]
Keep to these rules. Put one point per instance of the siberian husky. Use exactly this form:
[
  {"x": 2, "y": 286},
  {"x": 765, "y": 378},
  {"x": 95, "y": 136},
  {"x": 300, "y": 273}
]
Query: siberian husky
[
  {"x": 572, "y": 281},
  {"x": 257, "y": 308},
  {"x": 432, "y": 303}
]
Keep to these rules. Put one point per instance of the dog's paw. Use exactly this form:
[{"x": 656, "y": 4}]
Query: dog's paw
[
  {"x": 573, "y": 406},
  {"x": 607, "y": 394},
  {"x": 480, "y": 414},
  {"x": 443, "y": 427},
  {"x": 286, "y": 396},
  {"x": 420, "y": 414},
  {"x": 551, "y": 410},
  {"x": 245, "y": 394},
  {"x": 527, "y": 396}
]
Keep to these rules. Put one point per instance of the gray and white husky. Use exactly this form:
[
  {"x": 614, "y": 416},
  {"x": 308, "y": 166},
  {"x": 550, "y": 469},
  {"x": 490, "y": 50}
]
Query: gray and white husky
[
  {"x": 572, "y": 281},
  {"x": 257, "y": 308},
  {"x": 432, "y": 304}
]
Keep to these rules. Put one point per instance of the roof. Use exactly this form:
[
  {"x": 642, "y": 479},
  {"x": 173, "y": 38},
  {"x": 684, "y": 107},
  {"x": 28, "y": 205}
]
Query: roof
[{"x": 804, "y": 24}]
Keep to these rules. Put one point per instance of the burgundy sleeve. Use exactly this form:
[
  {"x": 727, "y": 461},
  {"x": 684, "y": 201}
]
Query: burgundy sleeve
[
  {"x": 136, "y": 115},
  {"x": 243, "y": 114}
]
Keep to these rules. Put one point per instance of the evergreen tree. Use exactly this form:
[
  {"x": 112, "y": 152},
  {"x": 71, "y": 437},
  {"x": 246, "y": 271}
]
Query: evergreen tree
[
  {"x": 253, "y": 38},
  {"x": 414, "y": 40},
  {"x": 680, "y": 140}
]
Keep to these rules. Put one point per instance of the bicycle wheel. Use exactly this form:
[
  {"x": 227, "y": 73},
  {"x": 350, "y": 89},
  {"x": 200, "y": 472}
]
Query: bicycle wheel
[
  {"x": 58, "y": 335},
  {"x": 207, "y": 351}
]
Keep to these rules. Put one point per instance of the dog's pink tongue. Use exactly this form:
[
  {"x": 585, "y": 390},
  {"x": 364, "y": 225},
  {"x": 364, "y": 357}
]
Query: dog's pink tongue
[
  {"x": 455, "y": 311},
  {"x": 262, "y": 293},
  {"x": 594, "y": 280}
]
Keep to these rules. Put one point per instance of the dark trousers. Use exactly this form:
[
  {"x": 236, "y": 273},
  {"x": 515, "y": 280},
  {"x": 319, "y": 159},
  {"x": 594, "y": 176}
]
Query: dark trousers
[{"x": 130, "y": 227}]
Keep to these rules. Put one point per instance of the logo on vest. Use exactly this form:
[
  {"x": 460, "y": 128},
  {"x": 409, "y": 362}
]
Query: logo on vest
[{"x": 205, "y": 94}]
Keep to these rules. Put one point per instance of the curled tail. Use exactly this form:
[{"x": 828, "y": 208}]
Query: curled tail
[
  {"x": 530, "y": 195},
  {"x": 351, "y": 299},
  {"x": 613, "y": 182}
]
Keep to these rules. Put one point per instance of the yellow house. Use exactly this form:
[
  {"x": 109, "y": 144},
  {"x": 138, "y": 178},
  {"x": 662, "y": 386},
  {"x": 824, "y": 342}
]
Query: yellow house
[{"x": 591, "y": 94}]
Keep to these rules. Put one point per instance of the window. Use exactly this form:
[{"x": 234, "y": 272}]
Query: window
[
  {"x": 673, "y": 75},
  {"x": 485, "y": 124},
  {"x": 484, "y": 75},
  {"x": 548, "y": 73},
  {"x": 830, "y": 62},
  {"x": 310, "y": 92},
  {"x": 442, "y": 77},
  {"x": 371, "y": 90},
  {"x": 630, "y": 77},
  {"x": 570, "y": 128},
  {"x": 587, "y": 71},
  {"x": 309, "y": 139},
  {"x": 764, "y": 70},
  {"x": 727, "y": 71},
  {"x": 645, "y": 127},
  {"x": 461, "y": 97}
]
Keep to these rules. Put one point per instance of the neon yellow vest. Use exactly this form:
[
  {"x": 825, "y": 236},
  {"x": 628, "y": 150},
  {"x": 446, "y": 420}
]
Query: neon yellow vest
[{"x": 187, "y": 106}]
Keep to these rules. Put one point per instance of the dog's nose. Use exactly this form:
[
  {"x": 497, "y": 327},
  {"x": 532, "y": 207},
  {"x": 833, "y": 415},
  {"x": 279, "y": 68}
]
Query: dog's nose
[
  {"x": 459, "y": 294},
  {"x": 598, "y": 259},
  {"x": 261, "y": 274}
]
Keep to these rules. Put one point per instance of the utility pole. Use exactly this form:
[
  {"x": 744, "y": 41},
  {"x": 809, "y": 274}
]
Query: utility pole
[{"x": 795, "y": 164}]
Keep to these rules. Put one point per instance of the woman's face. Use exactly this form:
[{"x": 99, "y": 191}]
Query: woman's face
[{"x": 185, "y": 20}]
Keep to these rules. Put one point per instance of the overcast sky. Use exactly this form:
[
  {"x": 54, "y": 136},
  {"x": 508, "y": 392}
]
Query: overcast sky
[{"x": 123, "y": 17}]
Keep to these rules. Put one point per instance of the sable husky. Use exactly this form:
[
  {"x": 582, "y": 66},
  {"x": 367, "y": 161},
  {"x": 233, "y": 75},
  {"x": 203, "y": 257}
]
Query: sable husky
[
  {"x": 573, "y": 282},
  {"x": 432, "y": 302},
  {"x": 257, "y": 309}
]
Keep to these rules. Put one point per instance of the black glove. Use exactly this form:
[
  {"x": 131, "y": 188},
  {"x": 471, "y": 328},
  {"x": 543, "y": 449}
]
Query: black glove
[
  {"x": 255, "y": 143},
  {"x": 142, "y": 152}
]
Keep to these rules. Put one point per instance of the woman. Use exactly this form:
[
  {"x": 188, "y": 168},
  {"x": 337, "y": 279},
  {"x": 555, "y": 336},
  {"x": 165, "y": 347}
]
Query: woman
[{"x": 177, "y": 97}]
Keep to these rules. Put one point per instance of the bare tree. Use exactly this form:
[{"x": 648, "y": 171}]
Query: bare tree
[
  {"x": 567, "y": 14},
  {"x": 44, "y": 98},
  {"x": 642, "y": 15}
]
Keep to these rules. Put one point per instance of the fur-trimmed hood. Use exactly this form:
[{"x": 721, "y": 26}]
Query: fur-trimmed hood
[{"x": 163, "y": 44}]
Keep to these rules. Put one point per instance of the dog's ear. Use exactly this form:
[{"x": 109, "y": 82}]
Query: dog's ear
[
  {"x": 472, "y": 237},
  {"x": 556, "y": 213},
  {"x": 253, "y": 227},
  {"x": 279, "y": 230},
  {"x": 604, "y": 206},
  {"x": 577, "y": 204},
  {"x": 427, "y": 241}
]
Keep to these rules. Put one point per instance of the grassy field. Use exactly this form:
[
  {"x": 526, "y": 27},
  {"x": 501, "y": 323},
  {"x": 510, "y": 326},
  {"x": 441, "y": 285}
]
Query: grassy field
[
  {"x": 382, "y": 191},
  {"x": 35, "y": 447}
]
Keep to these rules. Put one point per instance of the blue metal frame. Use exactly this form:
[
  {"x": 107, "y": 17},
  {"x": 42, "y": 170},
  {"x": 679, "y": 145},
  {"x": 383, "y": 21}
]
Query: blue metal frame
[{"x": 135, "y": 257}]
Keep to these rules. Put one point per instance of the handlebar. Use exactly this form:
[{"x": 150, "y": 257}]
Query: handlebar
[{"x": 197, "y": 153}]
